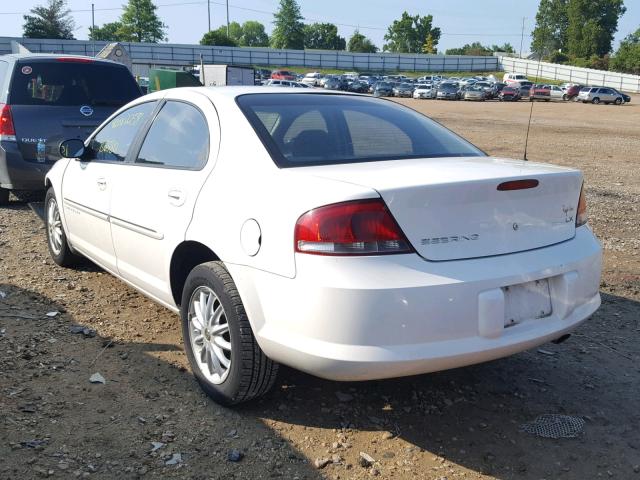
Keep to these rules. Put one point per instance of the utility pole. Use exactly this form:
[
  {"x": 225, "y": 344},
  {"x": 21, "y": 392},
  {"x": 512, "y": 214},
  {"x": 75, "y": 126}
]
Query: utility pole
[
  {"x": 522, "y": 36},
  {"x": 209, "y": 13},
  {"x": 93, "y": 29},
  {"x": 227, "y": 18}
]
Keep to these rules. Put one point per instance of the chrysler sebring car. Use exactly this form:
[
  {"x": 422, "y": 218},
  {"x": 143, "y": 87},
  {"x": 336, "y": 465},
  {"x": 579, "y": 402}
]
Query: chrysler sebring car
[{"x": 346, "y": 236}]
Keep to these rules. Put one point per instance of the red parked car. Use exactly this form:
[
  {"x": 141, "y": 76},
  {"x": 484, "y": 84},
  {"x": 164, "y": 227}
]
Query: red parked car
[
  {"x": 283, "y": 75},
  {"x": 571, "y": 92},
  {"x": 540, "y": 92}
]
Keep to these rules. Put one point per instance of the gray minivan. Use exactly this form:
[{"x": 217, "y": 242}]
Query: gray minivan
[
  {"x": 45, "y": 98},
  {"x": 600, "y": 95}
]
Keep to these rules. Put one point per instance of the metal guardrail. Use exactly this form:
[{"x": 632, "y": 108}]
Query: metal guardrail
[
  {"x": 583, "y": 76},
  {"x": 160, "y": 54}
]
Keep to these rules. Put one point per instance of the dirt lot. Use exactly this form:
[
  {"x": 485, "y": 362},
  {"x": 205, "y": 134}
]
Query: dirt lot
[{"x": 464, "y": 423}]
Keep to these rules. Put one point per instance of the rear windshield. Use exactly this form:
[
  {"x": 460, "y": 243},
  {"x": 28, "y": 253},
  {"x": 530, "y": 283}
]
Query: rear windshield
[
  {"x": 71, "y": 84},
  {"x": 324, "y": 129}
]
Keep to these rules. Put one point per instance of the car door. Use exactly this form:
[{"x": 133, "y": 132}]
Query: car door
[
  {"x": 152, "y": 207},
  {"x": 607, "y": 95},
  {"x": 88, "y": 184}
]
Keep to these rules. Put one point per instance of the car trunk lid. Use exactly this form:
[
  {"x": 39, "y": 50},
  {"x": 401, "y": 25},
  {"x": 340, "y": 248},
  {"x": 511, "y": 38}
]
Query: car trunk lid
[{"x": 452, "y": 208}]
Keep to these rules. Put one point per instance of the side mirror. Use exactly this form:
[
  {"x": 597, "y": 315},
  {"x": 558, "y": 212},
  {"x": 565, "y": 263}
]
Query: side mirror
[{"x": 73, "y": 148}]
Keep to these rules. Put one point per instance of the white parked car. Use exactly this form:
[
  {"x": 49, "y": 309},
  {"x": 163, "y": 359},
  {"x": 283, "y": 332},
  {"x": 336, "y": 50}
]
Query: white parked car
[
  {"x": 312, "y": 79},
  {"x": 343, "y": 235},
  {"x": 510, "y": 78},
  {"x": 424, "y": 91}
]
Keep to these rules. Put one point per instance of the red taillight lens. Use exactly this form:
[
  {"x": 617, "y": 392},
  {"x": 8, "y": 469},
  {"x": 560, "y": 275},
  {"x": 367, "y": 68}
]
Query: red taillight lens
[
  {"x": 6, "y": 120},
  {"x": 361, "y": 227},
  {"x": 581, "y": 214},
  {"x": 518, "y": 184}
]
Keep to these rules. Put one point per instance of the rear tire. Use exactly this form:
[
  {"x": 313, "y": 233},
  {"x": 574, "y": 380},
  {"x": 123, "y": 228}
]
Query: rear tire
[
  {"x": 595, "y": 101},
  {"x": 565, "y": 97},
  {"x": 224, "y": 355},
  {"x": 56, "y": 236},
  {"x": 4, "y": 197}
]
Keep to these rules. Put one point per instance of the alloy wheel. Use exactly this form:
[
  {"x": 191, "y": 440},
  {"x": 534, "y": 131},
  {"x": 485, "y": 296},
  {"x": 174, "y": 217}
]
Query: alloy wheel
[
  {"x": 209, "y": 335},
  {"x": 54, "y": 225}
]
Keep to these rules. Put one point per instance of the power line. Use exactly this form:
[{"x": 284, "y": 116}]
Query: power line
[{"x": 266, "y": 12}]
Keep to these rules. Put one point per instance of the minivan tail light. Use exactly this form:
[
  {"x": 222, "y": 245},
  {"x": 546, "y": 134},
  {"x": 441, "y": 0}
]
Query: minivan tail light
[
  {"x": 361, "y": 227},
  {"x": 581, "y": 214},
  {"x": 7, "y": 130}
]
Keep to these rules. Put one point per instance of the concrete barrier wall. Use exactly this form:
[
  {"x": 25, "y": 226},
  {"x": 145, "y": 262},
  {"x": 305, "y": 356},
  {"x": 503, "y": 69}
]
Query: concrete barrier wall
[
  {"x": 584, "y": 76},
  {"x": 181, "y": 55}
]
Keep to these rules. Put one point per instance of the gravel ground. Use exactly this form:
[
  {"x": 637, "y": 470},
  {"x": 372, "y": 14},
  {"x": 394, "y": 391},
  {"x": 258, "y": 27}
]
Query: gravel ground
[{"x": 150, "y": 420}]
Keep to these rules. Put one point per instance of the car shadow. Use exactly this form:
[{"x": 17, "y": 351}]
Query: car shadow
[
  {"x": 472, "y": 417},
  {"x": 55, "y": 422}
]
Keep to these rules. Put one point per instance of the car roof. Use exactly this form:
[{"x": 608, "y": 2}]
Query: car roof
[{"x": 236, "y": 91}]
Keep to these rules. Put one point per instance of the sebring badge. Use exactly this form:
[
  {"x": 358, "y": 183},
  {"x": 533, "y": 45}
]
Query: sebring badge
[
  {"x": 449, "y": 239},
  {"x": 86, "y": 110}
]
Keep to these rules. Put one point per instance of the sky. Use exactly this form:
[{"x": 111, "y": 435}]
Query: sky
[{"x": 461, "y": 21}]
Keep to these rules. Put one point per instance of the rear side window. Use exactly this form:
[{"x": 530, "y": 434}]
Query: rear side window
[
  {"x": 68, "y": 83},
  {"x": 3, "y": 72},
  {"x": 112, "y": 142},
  {"x": 178, "y": 138},
  {"x": 325, "y": 129}
]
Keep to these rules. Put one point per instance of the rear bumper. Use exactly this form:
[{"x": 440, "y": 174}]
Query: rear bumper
[
  {"x": 18, "y": 174},
  {"x": 379, "y": 317}
]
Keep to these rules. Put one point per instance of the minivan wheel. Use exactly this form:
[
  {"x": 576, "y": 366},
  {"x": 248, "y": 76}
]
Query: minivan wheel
[
  {"x": 595, "y": 101},
  {"x": 4, "y": 197},
  {"x": 56, "y": 237},
  {"x": 618, "y": 101},
  {"x": 224, "y": 355}
]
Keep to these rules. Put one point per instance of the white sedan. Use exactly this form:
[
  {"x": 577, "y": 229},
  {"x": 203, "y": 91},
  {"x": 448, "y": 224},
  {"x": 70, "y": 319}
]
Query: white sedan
[{"x": 343, "y": 235}]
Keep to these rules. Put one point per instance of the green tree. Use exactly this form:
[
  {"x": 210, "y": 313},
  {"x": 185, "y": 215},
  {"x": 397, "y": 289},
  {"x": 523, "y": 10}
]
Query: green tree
[
  {"x": 475, "y": 48},
  {"x": 50, "y": 21},
  {"x": 253, "y": 35},
  {"x": 550, "y": 32},
  {"x": 358, "y": 43},
  {"x": 140, "y": 23},
  {"x": 323, "y": 36},
  {"x": 409, "y": 34},
  {"x": 109, "y": 32},
  {"x": 592, "y": 25},
  {"x": 289, "y": 29},
  {"x": 219, "y": 38},
  {"x": 627, "y": 57},
  {"x": 235, "y": 32},
  {"x": 505, "y": 47}
]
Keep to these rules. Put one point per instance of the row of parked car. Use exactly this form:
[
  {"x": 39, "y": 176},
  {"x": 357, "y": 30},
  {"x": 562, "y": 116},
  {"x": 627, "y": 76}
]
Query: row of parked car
[{"x": 513, "y": 87}]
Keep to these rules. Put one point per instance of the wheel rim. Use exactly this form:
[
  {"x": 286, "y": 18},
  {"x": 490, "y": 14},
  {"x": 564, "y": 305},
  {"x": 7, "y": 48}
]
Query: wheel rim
[
  {"x": 209, "y": 335},
  {"x": 54, "y": 226}
]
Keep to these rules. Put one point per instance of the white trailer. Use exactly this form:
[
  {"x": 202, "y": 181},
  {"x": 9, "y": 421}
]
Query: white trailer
[{"x": 221, "y": 75}]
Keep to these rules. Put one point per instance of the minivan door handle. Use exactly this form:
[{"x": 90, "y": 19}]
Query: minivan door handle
[
  {"x": 102, "y": 183},
  {"x": 176, "y": 197}
]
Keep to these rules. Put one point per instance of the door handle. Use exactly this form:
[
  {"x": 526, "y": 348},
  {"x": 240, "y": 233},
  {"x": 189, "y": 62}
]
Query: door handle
[
  {"x": 176, "y": 197},
  {"x": 102, "y": 183}
]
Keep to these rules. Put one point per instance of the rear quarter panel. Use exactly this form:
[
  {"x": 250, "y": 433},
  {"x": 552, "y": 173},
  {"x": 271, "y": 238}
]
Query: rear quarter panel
[{"x": 246, "y": 184}]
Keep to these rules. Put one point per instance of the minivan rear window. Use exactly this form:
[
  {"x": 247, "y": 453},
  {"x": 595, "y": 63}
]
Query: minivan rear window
[
  {"x": 67, "y": 83},
  {"x": 326, "y": 129}
]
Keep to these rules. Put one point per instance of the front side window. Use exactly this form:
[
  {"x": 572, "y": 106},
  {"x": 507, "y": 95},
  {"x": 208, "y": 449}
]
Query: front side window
[
  {"x": 178, "y": 138},
  {"x": 112, "y": 142},
  {"x": 325, "y": 129}
]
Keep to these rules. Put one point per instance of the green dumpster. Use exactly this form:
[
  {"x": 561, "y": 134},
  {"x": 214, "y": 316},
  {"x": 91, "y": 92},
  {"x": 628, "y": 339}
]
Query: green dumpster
[{"x": 160, "y": 79}]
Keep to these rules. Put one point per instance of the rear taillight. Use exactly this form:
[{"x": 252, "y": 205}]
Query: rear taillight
[
  {"x": 581, "y": 214},
  {"x": 7, "y": 131},
  {"x": 361, "y": 227}
]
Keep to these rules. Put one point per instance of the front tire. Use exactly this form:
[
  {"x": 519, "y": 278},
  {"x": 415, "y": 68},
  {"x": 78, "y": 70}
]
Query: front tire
[
  {"x": 595, "y": 101},
  {"x": 56, "y": 237},
  {"x": 4, "y": 197},
  {"x": 224, "y": 355},
  {"x": 618, "y": 101}
]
